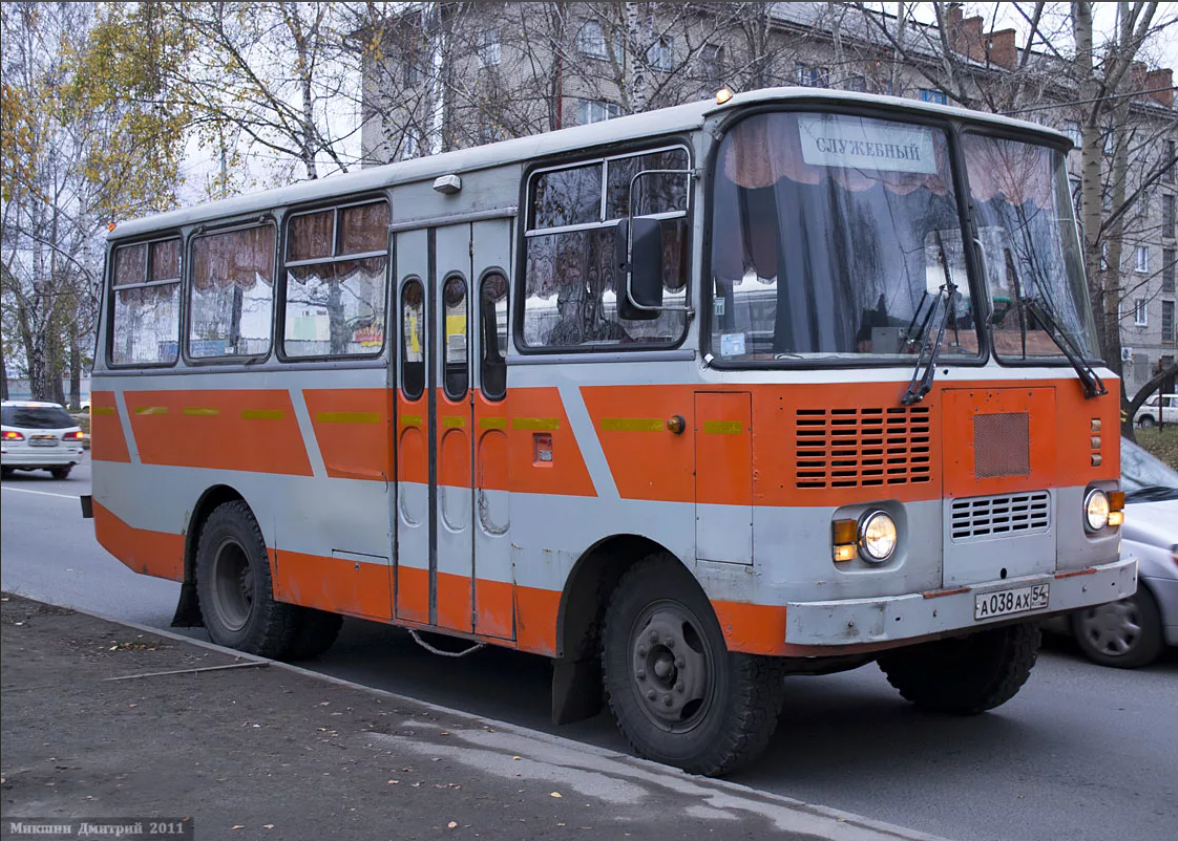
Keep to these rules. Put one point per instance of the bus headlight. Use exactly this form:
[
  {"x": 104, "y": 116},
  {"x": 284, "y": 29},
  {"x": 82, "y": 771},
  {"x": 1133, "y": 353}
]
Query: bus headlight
[
  {"x": 877, "y": 537},
  {"x": 1096, "y": 509}
]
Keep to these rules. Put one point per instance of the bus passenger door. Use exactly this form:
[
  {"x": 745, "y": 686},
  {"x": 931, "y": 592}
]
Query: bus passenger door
[
  {"x": 451, "y": 486},
  {"x": 412, "y": 514},
  {"x": 494, "y": 589}
]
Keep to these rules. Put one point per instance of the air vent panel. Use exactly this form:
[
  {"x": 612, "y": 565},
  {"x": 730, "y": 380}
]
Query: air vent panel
[
  {"x": 1009, "y": 515},
  {"x": 1001, "y": 445},
  {"x": 861, "y": 448}
]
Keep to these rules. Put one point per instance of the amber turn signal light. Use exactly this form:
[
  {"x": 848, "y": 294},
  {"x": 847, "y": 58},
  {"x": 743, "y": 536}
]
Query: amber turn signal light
[
  {"x": 844, "y": 531},
  {"x": 846, "y": 552},
  {"x": 1116, "y": 500}
]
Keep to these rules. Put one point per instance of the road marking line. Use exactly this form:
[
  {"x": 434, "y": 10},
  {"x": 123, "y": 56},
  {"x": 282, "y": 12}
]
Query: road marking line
[{"x": 39, "y": 493}]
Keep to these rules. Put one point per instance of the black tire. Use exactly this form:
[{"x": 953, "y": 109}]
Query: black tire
[
  {"x": 1125, "y": 634},
  {"x": 1146, "y": 422},
  {"x": 6, "y": 473},
  {"x": 60, "y": 472},
  {"x": 235, "y": 588},
  {"x": 965, "y": 675},
  {"x": 728, "y": 703},
  {"x": 317, "y": 632}
]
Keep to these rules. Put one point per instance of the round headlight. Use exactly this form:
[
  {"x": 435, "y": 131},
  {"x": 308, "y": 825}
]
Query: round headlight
[
  {"x": 1096, "y": 509},
  {"x": 877, "y": 537}
]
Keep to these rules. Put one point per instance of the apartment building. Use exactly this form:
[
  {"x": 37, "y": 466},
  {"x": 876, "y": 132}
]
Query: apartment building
[{"x": 453, "y": 75}]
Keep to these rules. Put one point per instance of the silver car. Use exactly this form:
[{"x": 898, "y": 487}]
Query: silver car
[
  {"x": 38, "y": 436},
  {"x": 1134, "y": 631}
]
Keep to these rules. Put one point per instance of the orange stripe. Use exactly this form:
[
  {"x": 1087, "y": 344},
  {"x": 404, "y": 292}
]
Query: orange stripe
[
  {"x": 253, "y": 430},
  {"x": 535, "y": 619},
  {"x": 752, "y": 628},
  {"x": 334, "y": 584},
  {"x": 413, "y": 594},
  {"x": 494, "y": 608},
  {"x": 108, "y": 442},
  {"x": 353, "y": 450},
  {"x": 146, "y": 552},
  {"x": 454, "y": 601}
]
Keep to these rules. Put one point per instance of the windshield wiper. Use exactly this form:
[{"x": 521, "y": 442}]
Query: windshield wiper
[
  {"x": 920, "y": 386},
  {"x": 1152, "y": 493},
  {"x": 1093, "y": 384}
]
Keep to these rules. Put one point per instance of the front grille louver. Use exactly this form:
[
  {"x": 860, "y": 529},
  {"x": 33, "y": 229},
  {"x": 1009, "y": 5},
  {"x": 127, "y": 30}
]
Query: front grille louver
[
  {"x": 859, "y": 448},
  {"x": 1009, "y": 515}
]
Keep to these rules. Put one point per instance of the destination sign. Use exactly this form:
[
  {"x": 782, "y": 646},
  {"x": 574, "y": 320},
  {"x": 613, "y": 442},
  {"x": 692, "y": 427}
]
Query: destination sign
[{"x": 835, "y": 140}]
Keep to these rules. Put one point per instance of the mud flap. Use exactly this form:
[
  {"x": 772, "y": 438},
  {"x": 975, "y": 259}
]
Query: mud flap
[
  {"x": 188, "y": 613},
  {"x": 576, "y": 690}
]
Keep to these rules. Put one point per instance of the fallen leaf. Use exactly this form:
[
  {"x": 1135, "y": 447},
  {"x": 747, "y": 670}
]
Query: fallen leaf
[
  {"x": 394, "y": 782},
  {"x": 452, "y": 825},
  {"x": 516, "y": 758},
  {"x": 237, "y": 826},
  {"x": 267, "y": 826},
  {"x": 555, "y": 794}
]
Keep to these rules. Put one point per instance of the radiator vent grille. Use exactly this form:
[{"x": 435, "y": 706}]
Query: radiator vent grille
[
  {"x": 860, "y": 448},
  {"x": 1001, "y": 445},
  {"x": 995, "y": 516}
]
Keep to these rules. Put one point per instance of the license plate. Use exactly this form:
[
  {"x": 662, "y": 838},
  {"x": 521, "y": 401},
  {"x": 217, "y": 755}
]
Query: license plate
[
  {"x": 1006, "y": 602},
  {"x": 43, "y": 441}
]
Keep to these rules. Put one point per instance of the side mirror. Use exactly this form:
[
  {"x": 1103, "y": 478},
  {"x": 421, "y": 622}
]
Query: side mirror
[{"x": 638, "y": 268}]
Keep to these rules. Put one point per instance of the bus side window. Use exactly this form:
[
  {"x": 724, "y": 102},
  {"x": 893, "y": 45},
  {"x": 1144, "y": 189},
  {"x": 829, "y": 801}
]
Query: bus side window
[
  {"x": 412, "y": 339},
  {"x": 145, "y": 319},
  {"x": 493, "y": 309},
  {"x": 457, "y": 378}
]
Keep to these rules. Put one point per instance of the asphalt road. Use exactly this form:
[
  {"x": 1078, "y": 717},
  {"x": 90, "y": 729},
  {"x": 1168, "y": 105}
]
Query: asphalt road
[{"x": 1083, "y": 752}]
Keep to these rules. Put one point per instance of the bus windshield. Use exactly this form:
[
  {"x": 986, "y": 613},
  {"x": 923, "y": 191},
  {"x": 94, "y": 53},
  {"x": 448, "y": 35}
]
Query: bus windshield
[
  {"x": 1030, "y": 247},
  {"x": 837, "y": 237}
]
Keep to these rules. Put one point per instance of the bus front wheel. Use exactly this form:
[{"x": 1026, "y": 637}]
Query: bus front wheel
[
  {"x": 679, "y": 696},
  {"x": 965, "y": 675},
  {"x": 235, "y": 588}
]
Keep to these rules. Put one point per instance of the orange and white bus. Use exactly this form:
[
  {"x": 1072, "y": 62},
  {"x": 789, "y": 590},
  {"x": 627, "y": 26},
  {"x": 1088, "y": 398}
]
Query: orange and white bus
[{"x": 685, "y": 401}]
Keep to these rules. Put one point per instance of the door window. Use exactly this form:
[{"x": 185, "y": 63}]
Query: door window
[{"x": 412, "y": 339}]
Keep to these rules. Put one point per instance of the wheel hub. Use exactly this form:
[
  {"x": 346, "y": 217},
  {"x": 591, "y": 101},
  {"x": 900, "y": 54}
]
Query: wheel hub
[
  {"x": 1112, "y": 628},
  {"x": 233, "y": 585},
  {"x": 672, "y": 673}
]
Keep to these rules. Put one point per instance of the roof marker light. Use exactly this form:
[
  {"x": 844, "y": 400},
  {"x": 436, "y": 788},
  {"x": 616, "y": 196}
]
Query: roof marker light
[{"x": 723, "y": 95}]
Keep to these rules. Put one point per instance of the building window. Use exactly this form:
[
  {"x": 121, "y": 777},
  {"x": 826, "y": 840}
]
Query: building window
[
  {"x": 935, "y": 96},
  {"x": 1074, "y": 133},
  {"x": 1168, "y": 216},
  {"x": 661, "y": 54},
  {"x": 712, "y": 59},
  {"x": 591, "y": 42},
  {"x": 594, "y": 111},
  {"x": 410, "y": 144},
  {"x": 412, "y": 73},
  {"x": 1169, "y": 256},
  {"x": 1171, "y": 162},
  {"x": 1140, "y": 313},
  {"x": 811, "y": 75},
  {"x": 490, "y": 49},
  {"x": 1168, "y": 322},
  {"x": 1141, "y": 259}
]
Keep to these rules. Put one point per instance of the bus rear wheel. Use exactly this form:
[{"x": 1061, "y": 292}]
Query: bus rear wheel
[
  {"x": 965, "y": 675},
  {"x": 235, "y": 588},
  {"x": 679, "y": 696}
]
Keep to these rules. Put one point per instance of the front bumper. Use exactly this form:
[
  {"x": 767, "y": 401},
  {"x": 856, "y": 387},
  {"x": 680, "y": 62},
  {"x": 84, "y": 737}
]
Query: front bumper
[
  {"x": 51, "y": 457},
  {"x": 895, "y": 619}
]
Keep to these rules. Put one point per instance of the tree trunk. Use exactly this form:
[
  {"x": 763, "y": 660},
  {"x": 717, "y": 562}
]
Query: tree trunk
[
  {"x": 3, "y": 373},
  {"x": 75, "y": 368}
]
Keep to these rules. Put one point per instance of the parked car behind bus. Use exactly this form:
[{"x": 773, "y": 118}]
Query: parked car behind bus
[
  {"x": 1133, "y": 632},
  {"x": 1150, "y": 413}
]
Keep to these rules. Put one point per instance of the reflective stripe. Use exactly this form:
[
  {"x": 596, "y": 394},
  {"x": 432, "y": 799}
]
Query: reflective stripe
[
  {"x": 347, "y": 417},
  {"x": 538, "y": 424},
  {"x": 632, "y": 424}
]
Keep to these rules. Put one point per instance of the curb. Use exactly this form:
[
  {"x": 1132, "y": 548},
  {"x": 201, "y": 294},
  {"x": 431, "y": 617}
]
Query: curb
[{"x": 847, "y": 826}]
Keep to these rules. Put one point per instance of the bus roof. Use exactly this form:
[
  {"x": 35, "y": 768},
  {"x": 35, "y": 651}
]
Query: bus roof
[{"x": 651, "y": 123}]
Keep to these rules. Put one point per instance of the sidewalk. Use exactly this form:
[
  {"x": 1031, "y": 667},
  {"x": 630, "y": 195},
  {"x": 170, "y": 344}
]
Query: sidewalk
[{"x": 104, "y": 720}]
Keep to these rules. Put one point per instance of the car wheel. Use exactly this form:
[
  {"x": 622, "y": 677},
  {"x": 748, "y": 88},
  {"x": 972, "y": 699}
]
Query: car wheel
[
  {"x": 965, "y": 675},
  {"x": 679, "y": 696},
  {"x": 60, "y": 472},
  {"x": 235, "y": 588},
  {"x": 1125, "y": 634},
  {"x": 6, "y": 473},
  {"x": 1146, "y": 422}
]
